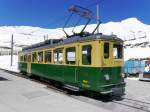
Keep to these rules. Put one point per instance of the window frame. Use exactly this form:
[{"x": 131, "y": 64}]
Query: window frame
[
  {"x": 108, "y": 51},
  {"x": 46, "y": 51},
  {"x": 29, "y": 58},
  {"x": 56, "y": 51},
  {"x": 38, "y": 58},
  {"x": 85, "y": 45},
  {"x": 118, "y": 51},
  {"x": 70, "y": 62},
  {"x": 25, "y": 57},
  {"x": 21, "y": 58},
  {"x": 35, "y": 60}
]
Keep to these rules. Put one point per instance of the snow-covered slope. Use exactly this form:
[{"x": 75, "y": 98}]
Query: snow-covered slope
[
  {"x": 132, "y": 30},
  {"x": 26, "y": 35}
]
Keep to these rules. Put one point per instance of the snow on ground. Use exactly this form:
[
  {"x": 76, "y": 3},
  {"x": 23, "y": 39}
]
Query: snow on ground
[
  {"x": 5, "y": 63},
  {"x": 133, "y": 78}
]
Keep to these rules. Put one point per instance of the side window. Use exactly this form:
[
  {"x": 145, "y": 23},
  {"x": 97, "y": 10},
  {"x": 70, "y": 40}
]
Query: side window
[
  {"x": 58, "y": 56},
  {"x": 117, "y": 51},
  {"x": 106, "y": 50},
  {"x": 29, "y": 58},
  {"x": 25, "y": 58},
  {"x": 34, "y": 57},
  {"x": 40, "y": 57},
  {"x": 70, "y": 55},
  {"x": 21, "y": 58},
  {"x": 48, "y": 56},
  {"x": 86, "y": 55}
]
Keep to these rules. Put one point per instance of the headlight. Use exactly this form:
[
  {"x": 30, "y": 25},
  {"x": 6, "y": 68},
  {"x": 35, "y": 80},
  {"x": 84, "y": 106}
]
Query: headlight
[{"x": 107, "y": 77}]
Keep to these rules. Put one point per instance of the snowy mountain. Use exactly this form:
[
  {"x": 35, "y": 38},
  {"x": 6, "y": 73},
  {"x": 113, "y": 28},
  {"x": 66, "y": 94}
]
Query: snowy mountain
[
  {"x": 133, "y": 31},
  {"x": 25, "y": 35}
]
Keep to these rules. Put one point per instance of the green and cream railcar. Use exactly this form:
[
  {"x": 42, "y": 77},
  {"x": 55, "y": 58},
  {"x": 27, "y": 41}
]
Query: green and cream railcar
[{"x": 92, "y": 63}]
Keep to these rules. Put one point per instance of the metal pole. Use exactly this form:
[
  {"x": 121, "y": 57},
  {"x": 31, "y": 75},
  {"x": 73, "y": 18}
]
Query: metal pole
[
  {"x": 44, "y": 38},
  {"x": 98, "y": 15},
  {"x": 12, "y": 50},
  {"x": 47, "y": 36}
]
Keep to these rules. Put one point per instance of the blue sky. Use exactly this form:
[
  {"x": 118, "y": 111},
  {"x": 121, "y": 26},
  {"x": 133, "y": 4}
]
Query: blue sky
[{"x": 52, "y": 13}]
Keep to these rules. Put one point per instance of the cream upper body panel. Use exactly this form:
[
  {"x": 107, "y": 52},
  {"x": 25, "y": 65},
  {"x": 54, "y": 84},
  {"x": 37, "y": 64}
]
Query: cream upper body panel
[{"x": 97, "y": 53}]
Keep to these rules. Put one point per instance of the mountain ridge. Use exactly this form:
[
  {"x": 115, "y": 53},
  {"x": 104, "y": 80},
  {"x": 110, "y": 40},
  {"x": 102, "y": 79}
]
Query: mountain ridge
[
  {"x": 125, "y": 29},
  {"x": 136, "y": 35}
]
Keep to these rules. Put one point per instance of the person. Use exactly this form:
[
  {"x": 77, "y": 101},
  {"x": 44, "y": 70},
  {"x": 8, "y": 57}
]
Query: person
[{"x": 146, "y": 69}]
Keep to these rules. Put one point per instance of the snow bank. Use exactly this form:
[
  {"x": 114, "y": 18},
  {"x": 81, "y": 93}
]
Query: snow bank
[{"x": 5, "y": 63}]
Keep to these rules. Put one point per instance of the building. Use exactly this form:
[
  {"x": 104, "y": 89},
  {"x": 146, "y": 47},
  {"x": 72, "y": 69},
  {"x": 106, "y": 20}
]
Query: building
[{"x": 7, "y": 51}]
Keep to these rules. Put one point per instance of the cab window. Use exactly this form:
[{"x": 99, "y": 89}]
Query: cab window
[
  {"x": 58, "y": 56},
  {"x": 106, "y": 50},
  {"x": 40, "y": 57},
  {"x": 117, "y": 51},
  {"x": 48, "y": 56},
  {"x": 86, "y": 55},
  {"x": 34, "y": 57},
  {"x": 70, "y": 55}
]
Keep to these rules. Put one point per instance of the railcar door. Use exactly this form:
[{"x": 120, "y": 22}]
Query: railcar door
[
  {"x": 112, "y": 62},
  {"x": 29, "y": 64},
  {"x": 71, "y": 62},
  {"x": 85, "y": 75},
  {"x": 117, "y": 60}
]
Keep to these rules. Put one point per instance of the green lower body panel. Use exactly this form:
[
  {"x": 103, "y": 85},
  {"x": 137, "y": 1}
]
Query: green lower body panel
[
  {"x": 86, "y": 78},
  {"x": 55, "y": 72}
]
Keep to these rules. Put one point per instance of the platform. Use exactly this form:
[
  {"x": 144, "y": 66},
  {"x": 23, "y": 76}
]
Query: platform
[{"x": 22, "y": 95}]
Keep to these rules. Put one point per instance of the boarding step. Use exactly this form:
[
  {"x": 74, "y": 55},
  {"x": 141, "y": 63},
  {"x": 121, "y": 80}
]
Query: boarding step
[{"x": 73, "y": 88}]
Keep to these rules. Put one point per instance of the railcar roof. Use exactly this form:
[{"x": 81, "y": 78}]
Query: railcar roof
[{"x": 73, "y": 39}]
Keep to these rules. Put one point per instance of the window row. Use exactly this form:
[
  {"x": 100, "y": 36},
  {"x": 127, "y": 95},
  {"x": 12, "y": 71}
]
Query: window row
[
  {"x": 70, "y": 55},
  {"x": 58, "y": 57},
  {"x": 117, "y": 51}
]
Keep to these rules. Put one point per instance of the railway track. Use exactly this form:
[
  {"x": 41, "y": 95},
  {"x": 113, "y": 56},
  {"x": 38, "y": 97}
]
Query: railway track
[
  {"x": 127, "y": 102},
  {"x": 137, "y": 104}
]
